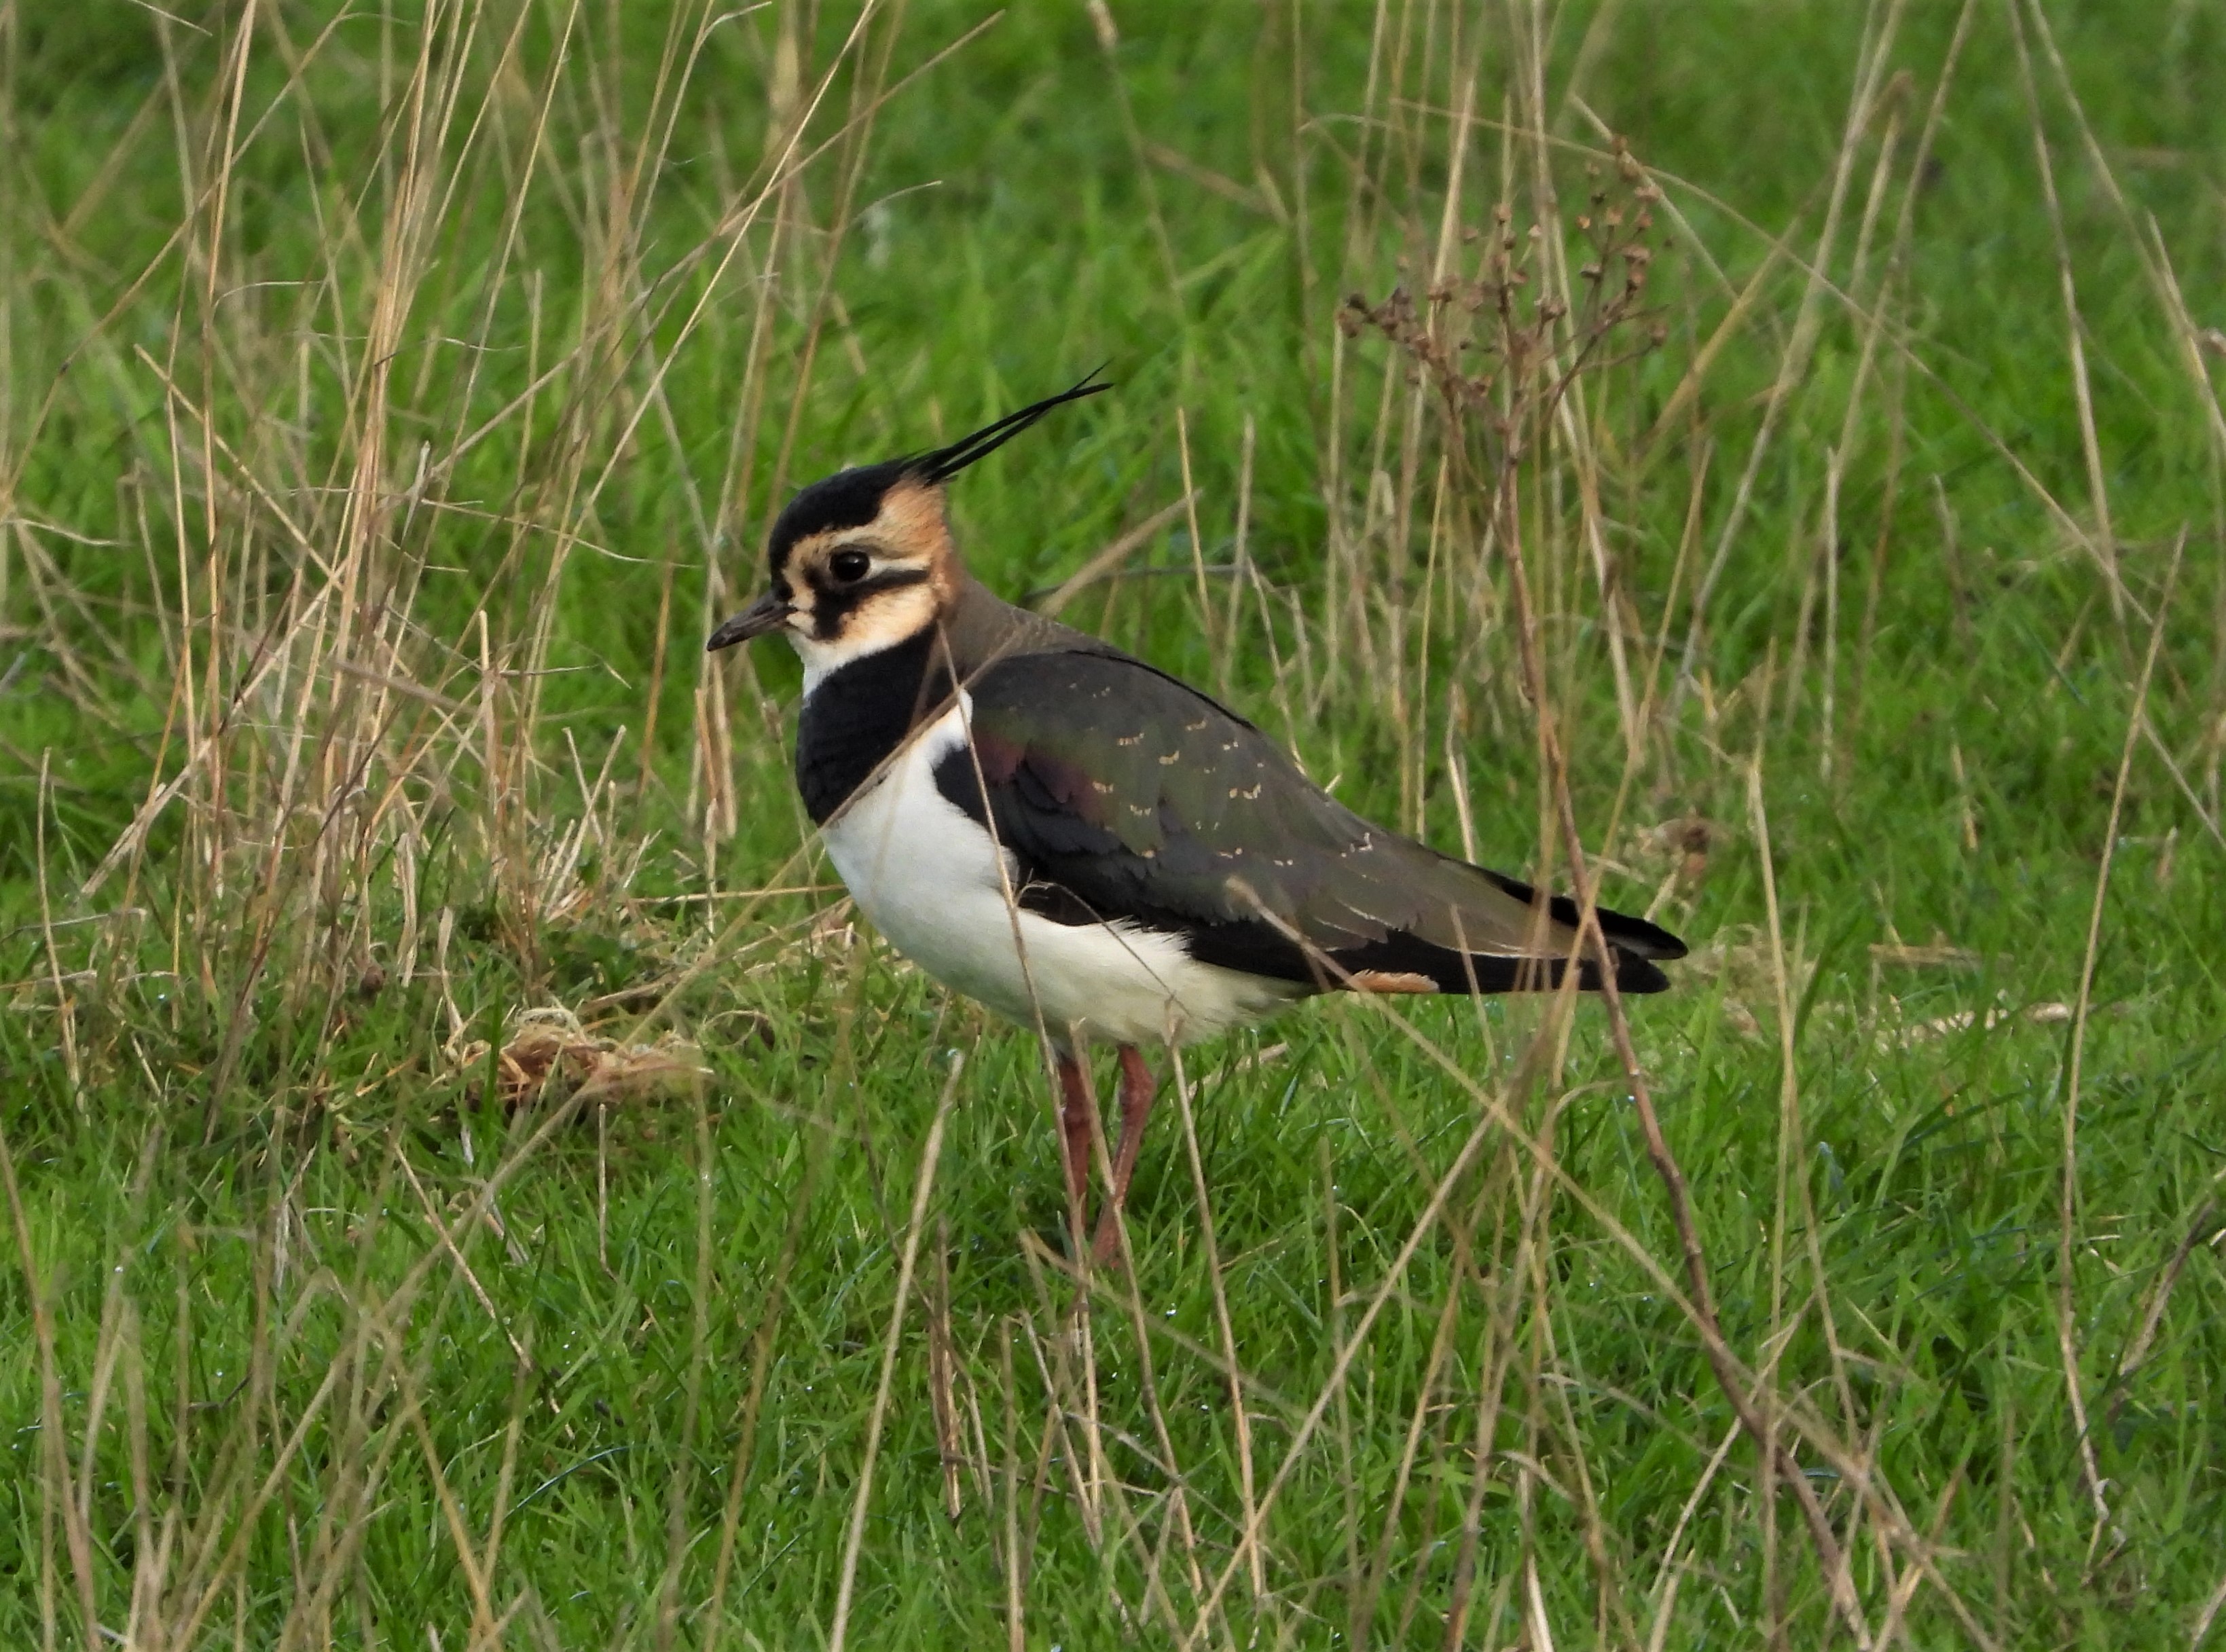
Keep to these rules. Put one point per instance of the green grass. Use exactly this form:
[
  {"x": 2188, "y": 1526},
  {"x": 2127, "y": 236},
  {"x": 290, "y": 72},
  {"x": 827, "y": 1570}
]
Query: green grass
[{"x": 390, "y": 401}]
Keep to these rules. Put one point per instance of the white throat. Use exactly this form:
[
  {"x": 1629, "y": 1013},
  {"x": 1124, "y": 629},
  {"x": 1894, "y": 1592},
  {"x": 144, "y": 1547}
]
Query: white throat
[
  {"x": 886, "y": 619},
  {"x": 822, "y": 660}
]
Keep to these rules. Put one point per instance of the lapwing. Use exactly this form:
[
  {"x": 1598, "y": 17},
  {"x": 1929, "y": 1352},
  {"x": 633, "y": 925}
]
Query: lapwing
[{"x": 1089, "y": 846}]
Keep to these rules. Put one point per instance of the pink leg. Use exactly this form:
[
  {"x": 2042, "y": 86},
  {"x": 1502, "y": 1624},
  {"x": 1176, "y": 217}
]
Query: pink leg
[
  {"x": 1137, "y": 1089},
  {"x": 1075, "y": 1122}
]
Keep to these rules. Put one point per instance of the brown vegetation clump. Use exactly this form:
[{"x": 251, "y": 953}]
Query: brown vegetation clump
[{"x": 549, "y": 1047}]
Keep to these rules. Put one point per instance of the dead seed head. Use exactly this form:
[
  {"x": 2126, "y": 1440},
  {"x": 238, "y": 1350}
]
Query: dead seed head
[{"x": 1498, "y": 341}]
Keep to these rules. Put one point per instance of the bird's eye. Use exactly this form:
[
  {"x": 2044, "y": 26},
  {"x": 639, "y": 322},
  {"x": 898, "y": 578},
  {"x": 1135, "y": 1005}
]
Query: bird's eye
[{"x": 850, "y": 565}]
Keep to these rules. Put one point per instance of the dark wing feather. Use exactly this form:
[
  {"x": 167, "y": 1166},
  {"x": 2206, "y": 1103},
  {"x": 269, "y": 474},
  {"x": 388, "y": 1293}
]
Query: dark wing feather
[{"x": 1127, "y": 794}]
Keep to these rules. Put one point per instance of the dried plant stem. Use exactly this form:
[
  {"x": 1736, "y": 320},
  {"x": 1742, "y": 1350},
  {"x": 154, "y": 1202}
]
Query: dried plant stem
[
  {"x": 1721, "y": 1360},
  {"x": 51, "y": 1437},
  {"x": 1303, "y": 1435},
  {"x": 2208, "y": 1616},
  {"x": 2102, "y": 540},
  {"x": 924, "y": 1185},
  {"x": 1238, "y": 1415},
  {"x": 2069, "y": 1204}
]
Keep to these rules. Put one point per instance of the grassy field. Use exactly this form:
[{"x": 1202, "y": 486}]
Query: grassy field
[{"x": 469, "y": 1181}]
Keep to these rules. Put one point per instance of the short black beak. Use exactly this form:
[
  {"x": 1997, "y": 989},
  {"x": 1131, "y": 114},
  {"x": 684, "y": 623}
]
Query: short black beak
[{"x": 764, "y": 614}]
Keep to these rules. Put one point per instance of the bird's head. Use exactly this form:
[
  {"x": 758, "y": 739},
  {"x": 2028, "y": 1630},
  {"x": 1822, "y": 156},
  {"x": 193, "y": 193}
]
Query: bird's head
[{"x": 864, "y": 559}]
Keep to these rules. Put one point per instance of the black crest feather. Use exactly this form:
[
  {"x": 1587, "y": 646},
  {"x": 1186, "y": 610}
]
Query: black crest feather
[
  {"x": 945, "y": 462},
  {"x": 851, "y": 499}
]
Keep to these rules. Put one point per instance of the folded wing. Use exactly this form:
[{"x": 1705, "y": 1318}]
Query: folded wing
[{"x": 1141, "y": 799}]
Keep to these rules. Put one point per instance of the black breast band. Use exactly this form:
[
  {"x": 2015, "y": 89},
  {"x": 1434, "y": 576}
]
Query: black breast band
[{"x": 856, "y": 716}]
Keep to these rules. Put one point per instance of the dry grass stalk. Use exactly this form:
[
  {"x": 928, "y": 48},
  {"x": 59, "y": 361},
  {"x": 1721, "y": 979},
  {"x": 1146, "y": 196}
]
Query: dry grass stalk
[
  {"x": 2066, "y": 1243},
  {"x": 1497, "y": 419}
]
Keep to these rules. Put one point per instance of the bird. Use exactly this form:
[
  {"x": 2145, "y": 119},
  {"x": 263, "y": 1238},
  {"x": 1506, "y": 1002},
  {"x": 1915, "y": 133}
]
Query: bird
[{"x": 1082, "y": 842}]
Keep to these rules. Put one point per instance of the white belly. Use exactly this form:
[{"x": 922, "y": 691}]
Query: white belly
[{"x": 929, "y": 879}]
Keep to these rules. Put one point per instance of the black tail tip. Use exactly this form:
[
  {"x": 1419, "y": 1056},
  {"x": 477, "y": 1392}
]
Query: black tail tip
[
  {"x": 1636, "y": 975},
  {"x": 1632, "y": 974}
]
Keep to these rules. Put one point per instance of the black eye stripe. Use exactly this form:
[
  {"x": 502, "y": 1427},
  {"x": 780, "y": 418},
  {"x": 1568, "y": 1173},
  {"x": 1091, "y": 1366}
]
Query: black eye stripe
[
  {"x": 893, "y": 579},
  {"x": 848, "y": 592},
  {"x": 830, "y": 608}
]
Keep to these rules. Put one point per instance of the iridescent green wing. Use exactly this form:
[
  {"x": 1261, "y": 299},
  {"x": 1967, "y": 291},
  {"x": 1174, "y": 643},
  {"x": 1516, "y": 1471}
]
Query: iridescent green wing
[{"x": 1125, "y": 794}]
